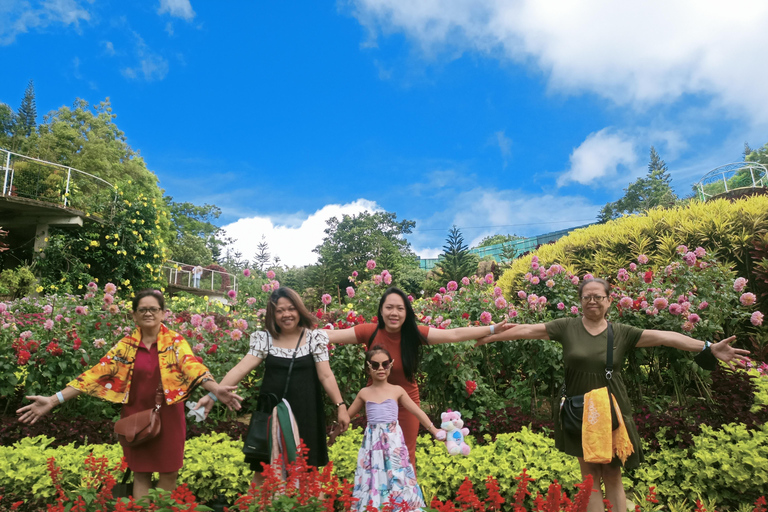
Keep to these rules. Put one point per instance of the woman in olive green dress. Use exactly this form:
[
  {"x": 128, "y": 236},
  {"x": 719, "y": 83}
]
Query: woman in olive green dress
[{"x": 584, "y": 342}]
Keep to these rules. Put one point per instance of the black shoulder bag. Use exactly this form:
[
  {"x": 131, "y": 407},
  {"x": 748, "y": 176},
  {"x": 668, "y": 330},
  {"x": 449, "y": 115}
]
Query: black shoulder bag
[
  {"x": 256, "y": 442},
  {"x": 572, "y": 407}
]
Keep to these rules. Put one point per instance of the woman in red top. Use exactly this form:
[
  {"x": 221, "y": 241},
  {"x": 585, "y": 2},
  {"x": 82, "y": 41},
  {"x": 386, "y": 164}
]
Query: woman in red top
[{"x": 398, "y": 332}]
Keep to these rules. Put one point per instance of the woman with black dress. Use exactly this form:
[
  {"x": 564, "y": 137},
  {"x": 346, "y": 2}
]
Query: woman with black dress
[{"x": 290, "y": 328}]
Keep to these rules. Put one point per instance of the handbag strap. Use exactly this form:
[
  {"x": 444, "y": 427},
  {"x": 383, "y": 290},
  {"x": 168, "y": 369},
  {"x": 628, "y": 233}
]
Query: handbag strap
[
  {"x": 290, "y": 367},
  {"x": 609, "y": 354},
  {"x": 159, "y": 396}
]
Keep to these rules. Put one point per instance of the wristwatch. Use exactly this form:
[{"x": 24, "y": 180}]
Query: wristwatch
[{"x": 340, "y": 404}]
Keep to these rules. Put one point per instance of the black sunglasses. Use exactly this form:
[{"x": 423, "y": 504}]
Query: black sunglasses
[{"x": 385, "y": 365}]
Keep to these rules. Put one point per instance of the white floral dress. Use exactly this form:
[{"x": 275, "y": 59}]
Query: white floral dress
[{"x": 384, "y": 471}]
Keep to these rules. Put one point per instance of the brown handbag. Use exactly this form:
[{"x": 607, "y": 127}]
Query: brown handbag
[{"x": 140, "y": 427}]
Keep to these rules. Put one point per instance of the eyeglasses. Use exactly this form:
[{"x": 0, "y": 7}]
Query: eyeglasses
[
  {"x": 593, "y": 298},
  {"x": 144, "y": 311},
  {"x": 385, "y": 365}
]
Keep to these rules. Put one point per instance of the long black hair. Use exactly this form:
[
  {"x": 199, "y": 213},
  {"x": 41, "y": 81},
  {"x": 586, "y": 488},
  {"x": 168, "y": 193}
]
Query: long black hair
[{"x": 411, "y": 339}]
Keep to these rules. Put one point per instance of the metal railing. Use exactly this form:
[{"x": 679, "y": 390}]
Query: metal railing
[
  {"x": 183, "y": 274},
  {"x": 49, "y": 182},
  {"x": 731, "y": 177}
]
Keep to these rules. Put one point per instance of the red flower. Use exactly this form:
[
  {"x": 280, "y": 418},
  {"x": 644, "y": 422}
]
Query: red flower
[
  {"x": 23, "y": 357},
  {"x": 465, "y": 316},
  {"x": 375, "y": 319},
  {"x": 32, "y": 346},
  {"x": 212, "y": 350},
  {"x": 54, "y": 349},
  {"x": 471, "y": 387},
  {"x": 77, "y": 343},
  {"x": 648, "y": 277}
]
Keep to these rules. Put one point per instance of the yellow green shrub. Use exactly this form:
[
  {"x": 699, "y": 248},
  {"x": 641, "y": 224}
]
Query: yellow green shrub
[{"x": 724, "y": 227}]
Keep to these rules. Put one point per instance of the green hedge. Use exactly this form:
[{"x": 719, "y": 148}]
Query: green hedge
[{"x": 727, "y": 466}]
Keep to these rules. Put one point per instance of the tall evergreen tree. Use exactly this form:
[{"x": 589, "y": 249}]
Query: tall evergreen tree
[
  {"x": 648, "y": 192},
  {"x": 261, "y": 260},
  {"x": 457, "y": 261},
  {"x": 26, "y": 117}
]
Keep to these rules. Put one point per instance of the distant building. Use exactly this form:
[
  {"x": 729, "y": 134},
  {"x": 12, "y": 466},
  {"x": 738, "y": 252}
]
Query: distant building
[{"x": 521, "y": 246}]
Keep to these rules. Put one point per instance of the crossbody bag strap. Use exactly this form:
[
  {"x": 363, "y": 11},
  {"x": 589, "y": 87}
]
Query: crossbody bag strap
[
  {"x": 290, "y": 367},
  {"x": 609, "y": 354}
]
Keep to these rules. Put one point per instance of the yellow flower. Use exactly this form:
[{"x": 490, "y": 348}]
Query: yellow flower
[
  {"x": 107, "y": 237},
  {"x": 39, "y": 289},
  {"x": 114, "y": 243},
  {"x": 62, "y": 279},
  {"x": 94, "y": 243},
  {"x": 126, "y": 282},
  {"x": 133, "y": 221},
  {"x": 88, "y": 265},
  {"x": 79, "y": 287},
  {"x": 46, "y": 239},
  {"x": 95, "y": 279}
]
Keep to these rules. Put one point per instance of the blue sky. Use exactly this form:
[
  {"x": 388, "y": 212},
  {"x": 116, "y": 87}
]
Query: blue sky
[{"x": 499, "y": 117}]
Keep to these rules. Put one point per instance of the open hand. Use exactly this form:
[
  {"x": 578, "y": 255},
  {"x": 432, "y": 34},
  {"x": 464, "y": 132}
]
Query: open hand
[
  {"x": 729, "y": 355},
  {"x": 39, "y": 407},
  {"x": 226, "y": 396},
  {"x": 206, "y": 403}
]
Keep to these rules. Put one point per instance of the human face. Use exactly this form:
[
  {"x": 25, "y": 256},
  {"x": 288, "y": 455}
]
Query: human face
[
  {"x": 393, "y": 312},
  {"x": 286, "y": 315},
  {"x": 380, "y": 359},
  {"x": 594, "y": 309},
  {"x": 144, "y": 317}
]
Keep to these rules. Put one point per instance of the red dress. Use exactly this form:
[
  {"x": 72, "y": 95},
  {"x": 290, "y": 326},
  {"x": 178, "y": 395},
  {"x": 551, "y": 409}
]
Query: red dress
[
  {"x": 165, "y": 453},
  {"x": 391, "y": 341}
]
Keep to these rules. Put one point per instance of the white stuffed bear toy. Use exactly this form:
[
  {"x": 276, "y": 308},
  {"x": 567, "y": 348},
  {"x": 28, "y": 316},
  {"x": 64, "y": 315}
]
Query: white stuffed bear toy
[{"x": 451, "y": 429}]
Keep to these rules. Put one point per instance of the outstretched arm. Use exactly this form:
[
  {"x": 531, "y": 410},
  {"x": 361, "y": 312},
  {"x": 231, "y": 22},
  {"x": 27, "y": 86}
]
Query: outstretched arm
[
  {"x": 518, "y": 332},
  {"x": 721, "y": 350},
  {"x": 341, "y": 336},
  {"x": 42, "y": 405},
  {"x": 414, "y": 409},
  {"x": 437, "y": 336},
  {"x": 232, "y": 378}
]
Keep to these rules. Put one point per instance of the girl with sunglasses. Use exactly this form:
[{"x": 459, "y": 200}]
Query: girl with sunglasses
[
  {"x": 384, "y": 470},
  {"x": 398, "y": 331}
]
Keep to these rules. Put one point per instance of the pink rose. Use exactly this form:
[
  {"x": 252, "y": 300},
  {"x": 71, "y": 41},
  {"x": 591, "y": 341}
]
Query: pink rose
[
  {"x": 370, "y": 265},
  {"x": 675, "y": 309},
  {"x": 574, "y": 310},
  {"x": 560, "y": 306},
  {"x": 739, "y": 284},
  {"x": 747, "y": 299},
  {"x": 326, "y": 299},
  {"x": 756, "y": 318},
  {"x": 350, "y": 292},
  {"x": 485, "y": 317},
  {"x": 642, "y": 259},
  {"x": 452, "y": 286}
]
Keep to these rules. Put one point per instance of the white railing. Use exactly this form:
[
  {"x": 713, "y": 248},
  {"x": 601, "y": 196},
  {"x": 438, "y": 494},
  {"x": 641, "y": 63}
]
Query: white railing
[
  {"x": 731, "y": 177},
  {"x": 182, "y": 274},
  {"x": 49, "y": 182}
]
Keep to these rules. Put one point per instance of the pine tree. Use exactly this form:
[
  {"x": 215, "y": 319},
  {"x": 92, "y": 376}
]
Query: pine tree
[
  {"x": 261, "y": 260},
  {"x": 457, "y": 261},
  {"x": 653, "y": 190},
  {"x": 26, "y": 116}
]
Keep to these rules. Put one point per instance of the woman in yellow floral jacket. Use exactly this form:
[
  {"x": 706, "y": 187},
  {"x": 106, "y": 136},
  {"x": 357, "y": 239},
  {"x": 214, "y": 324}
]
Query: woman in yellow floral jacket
[{"x": 130, "y": 373}]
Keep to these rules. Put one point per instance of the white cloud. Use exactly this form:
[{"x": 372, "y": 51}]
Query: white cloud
[
  {"x": 177, "y": 8},
  {"x": 638, "y": 53},
  {"x": 599, "y": 157},
  {"x": 150, "y": 67},
  {"x": 505, "y": 146},
  {"x": 294, "y": 240},
  {"x": 481, "y": 212},
  {"x": 109, "y": 48},
  {"x": 19, "y": 16}
]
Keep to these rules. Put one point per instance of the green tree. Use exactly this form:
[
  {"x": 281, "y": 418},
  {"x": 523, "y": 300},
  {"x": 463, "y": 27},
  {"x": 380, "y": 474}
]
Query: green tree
[
  {"x": 89, "y": 140},
  {"x": 647, "y": 192},
  {"x": 758, "y": 155},
  {"x": 350, "y": 242},
  {"x": 497, "y": 239},
  {"x": 456, "y": 261},
  {"x": 26, "y": 117},
  {"x": 7, "y": 123},
  {"x": 262, "y": 257},
  {"x": 127, "y": 250},
  {"x": 195, "y": 239}
]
